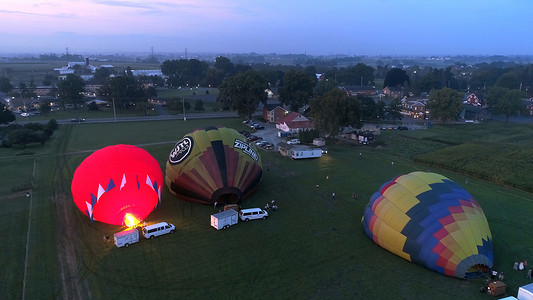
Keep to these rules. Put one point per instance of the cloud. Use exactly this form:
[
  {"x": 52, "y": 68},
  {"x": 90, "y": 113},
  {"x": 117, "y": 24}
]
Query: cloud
[
  {"x": 130, "y": 4},
  {"x": 36, "y": 14}
]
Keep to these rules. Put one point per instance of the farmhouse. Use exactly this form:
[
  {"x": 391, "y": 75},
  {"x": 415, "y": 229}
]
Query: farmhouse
[
  {"x": 91, "y": 89},
  {"x": 137, "y": 73},
  {"x": 472, "y": 99},
  {"x": 359, "y": 90},
  {"x": 476, "y": 113},
  {"x": 393, "y": 92},
  {"x": 47, "y": 90},
  {"x": 272, "y": 113},
  {"x": 414, "y": 108},
  {"x": 294, "y": 122}
]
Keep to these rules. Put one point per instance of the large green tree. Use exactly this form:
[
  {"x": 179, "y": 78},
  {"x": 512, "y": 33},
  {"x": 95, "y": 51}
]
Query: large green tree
[
  {"x": 44, "y": 108},
  {"x": 125, "y": 91},
  {"x": 335, "y": 110},
  {"x": 71, "y": 88},
  {"x": 243, "y": 92},
  {"x": 396, "y": 78},
  {"x": 324, "y": 86},
  {"x": 510, "y": 104},
  {"x": 183, "y": 72},
  {"x": 445, "y": 104},
  {"x": 101, "y": 74},
  {"x": 5, "y": 85},
  {"x": 359, "y": 74},
  {"x": 394, "y": 110},
  {"x": 495, "y": 94},
  {"x": 223, "y": 63},
  {"x": 296, "y": 90},
  {"x": 6, "y": 115},
  {"x": 369, "y": 108},
  {"x": 508, "y": 80}
]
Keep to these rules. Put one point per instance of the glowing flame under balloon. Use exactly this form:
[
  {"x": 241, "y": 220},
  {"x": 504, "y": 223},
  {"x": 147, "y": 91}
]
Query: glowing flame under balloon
[{"x": 130, "y": 220}]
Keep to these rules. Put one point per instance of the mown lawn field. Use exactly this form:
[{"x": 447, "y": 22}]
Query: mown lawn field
[{"x": 313, "y": 247}]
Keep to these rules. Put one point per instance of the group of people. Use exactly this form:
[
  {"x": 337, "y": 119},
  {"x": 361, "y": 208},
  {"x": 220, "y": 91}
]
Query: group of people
[
  {"x": 495, "y": 274},
  {"x": 519, "y": 266},
  {"x": 272, "y": 206}
]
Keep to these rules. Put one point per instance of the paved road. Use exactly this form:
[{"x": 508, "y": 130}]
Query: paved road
[{"x": 139, "y": 119}]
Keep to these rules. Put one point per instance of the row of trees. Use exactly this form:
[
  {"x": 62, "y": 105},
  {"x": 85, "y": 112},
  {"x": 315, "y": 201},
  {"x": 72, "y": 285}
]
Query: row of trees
[
  {"x": 446, "y": 104},
  {"x": 126, "y": 91},
  {"x": 242, "y": 87},
  {"x": 29, "y": 133}
]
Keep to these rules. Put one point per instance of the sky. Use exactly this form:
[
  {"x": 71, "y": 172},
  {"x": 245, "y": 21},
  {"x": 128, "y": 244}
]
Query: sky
[{"x": 327, "y": 27}]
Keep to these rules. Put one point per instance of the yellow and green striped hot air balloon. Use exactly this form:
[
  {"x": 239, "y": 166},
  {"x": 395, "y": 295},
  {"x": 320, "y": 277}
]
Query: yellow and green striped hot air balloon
[
  {"x": 213, "y": 165},
  {"x": 428, "y": 219}
]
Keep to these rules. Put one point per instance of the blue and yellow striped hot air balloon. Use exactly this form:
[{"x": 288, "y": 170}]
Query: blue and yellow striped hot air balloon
[
  {"x": 428, "y": 219},
  {"x": 213, "y": 165}
]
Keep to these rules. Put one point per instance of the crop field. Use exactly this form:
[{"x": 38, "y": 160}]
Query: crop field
[{"x": 313, "y": 247}]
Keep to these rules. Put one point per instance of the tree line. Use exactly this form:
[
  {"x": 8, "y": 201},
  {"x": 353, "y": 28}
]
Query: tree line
[{"x": 242, "y": 86}]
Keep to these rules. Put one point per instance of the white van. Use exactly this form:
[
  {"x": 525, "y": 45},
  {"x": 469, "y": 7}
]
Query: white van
[
  {"x": 252, "y": 214},
  {"x": 293, "y": 142},
  {"x": 158, "y": 229}
]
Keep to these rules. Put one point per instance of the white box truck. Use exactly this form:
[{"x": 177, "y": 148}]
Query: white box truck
[
  {"x": 127, "y": 237},
  {"x": 224, "y": 219},
  {"x": 525, "y": 292}
]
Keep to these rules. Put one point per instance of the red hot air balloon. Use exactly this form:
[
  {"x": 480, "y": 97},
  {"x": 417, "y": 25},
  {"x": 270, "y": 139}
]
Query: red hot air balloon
[{"x": 118, "y": 185}]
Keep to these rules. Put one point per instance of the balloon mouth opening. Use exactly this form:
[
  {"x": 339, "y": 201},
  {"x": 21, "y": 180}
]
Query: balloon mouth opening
[
  {"x": 131, "y": 216},
  {"x": 478, "y": 271},
  {"x": 226, "y": 195}
]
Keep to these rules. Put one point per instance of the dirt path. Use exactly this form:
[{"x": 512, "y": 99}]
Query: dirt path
[
  {"x": 67, "y": 251},
  {"x": 67, "y": 254}
]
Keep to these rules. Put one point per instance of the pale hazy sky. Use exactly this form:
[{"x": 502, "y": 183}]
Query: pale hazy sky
[{"x": 356, "y": 27}]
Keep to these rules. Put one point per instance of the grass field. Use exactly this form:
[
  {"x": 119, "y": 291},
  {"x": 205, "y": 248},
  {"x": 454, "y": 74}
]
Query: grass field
[{"x": 313, "y": 247}]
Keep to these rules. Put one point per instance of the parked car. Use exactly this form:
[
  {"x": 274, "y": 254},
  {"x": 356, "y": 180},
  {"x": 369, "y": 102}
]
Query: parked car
[
  {"x": 293, "y": 142},
  {"x": 259, "y": 127},
  {"x": 268, "y": 146},
  {"x": 77, "y": 120},
  {"x": 245, "y": 133}
]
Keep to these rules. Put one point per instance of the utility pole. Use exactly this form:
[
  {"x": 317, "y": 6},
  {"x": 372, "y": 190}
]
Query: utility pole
[
  {"x": 183, "y": 104},
  {"x": 114, "y": 110}
]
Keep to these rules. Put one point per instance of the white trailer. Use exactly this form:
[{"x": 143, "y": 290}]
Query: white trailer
[
  {"x": 224, "y": 219},
  {"x": 299, "y": 153},
  {"x": 127, "y": 237}
]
